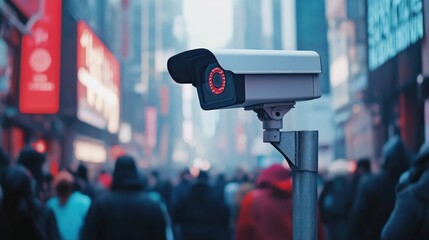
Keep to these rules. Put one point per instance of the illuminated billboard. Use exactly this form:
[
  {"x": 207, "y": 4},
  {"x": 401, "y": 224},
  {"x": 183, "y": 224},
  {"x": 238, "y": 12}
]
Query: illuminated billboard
[
  {"x": 89, "y": 150},
  {"x": 40, "y": 63},
  {"x": 98, "y": 88},
  {"x": 393, "y": 26}
]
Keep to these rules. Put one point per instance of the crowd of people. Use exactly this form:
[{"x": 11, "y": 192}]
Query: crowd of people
[
  {"x": 124, "y": 204},
  {"x": 392, "y": 203}
]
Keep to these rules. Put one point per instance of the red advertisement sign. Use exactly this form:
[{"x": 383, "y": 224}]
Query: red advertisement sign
[
  {"x": 40, "y": 63},
  {"x": 98, "y": 89}
]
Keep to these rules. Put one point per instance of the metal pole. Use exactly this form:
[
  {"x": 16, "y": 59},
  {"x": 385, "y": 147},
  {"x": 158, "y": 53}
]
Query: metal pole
[
  {"x": 305, "y": 186},
  {"x": 301, "y": 150}
]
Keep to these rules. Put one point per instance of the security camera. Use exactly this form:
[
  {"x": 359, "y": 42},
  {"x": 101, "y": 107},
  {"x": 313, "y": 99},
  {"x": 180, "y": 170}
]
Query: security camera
[
  {"x": 247, "y": 78},
  {"x": 268, "y": 82}
]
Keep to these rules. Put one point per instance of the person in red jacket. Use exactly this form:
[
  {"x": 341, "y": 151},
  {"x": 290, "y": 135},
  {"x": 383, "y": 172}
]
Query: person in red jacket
[{"x": 266, "y": 212}]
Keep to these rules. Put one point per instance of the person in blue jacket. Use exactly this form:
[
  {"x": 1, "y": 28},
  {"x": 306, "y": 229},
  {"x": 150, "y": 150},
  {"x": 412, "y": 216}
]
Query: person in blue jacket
[{"x": 70, "y": 207}]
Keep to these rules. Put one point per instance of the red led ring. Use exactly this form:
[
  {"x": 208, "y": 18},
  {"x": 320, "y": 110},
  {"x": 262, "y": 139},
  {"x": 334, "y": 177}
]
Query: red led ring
[{"x": 213, "y": 88}]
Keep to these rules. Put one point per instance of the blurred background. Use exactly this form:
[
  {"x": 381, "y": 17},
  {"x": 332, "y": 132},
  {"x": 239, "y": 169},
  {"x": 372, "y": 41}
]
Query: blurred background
[{"x": 85, "y": 82}]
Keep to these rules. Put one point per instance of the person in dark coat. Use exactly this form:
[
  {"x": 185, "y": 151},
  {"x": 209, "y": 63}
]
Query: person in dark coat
[
  {"x": 126, "y": 212},
  {"x": 22, "y": 216},
  {"x": 182, "y": 189},
  {"x": 219, "y": 185},
  {"x": 202, "y": 216},
  {"x": 33, "y": 161},
  {"x": 376, "y": 195},
  {"x": 82, "y": 183},
  {"x": 410, "y": 218},
  {"x": 161, "y": 186},
  {"x": 335, "y": 200},
  {"x": 4, "y": 163},
  {"x": 363, "y": 170}
]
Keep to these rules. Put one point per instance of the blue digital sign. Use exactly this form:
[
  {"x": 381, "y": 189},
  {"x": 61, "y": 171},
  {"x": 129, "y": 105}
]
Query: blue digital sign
[{"x": 393, "y": 26}]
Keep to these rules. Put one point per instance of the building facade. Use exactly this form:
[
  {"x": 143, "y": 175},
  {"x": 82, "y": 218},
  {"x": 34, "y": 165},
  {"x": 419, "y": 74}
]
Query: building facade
[{"x": 378, "y": 57}]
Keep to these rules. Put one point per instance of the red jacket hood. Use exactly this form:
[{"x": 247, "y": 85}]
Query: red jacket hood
[{"x": 277, "y": 177}]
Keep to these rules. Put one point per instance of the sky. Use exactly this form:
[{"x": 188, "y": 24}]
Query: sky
[{"x": 209, "y": 23}]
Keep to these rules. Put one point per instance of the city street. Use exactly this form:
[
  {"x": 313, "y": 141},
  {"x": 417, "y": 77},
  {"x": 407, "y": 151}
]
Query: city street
[{"x": 214, "y": 119}]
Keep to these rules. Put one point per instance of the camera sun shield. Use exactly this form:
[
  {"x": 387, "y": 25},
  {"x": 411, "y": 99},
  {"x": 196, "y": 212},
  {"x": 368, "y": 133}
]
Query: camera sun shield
[{"x": 216, "y": 87}]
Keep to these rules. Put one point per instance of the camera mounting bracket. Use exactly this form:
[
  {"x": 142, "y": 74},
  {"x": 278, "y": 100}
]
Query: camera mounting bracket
[
  {"x": 300, "y": 149},
  {"x": 271, "y": 116}
]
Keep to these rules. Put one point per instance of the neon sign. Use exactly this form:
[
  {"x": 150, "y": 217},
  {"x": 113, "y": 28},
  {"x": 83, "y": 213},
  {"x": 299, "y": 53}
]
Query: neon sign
[
  {"x": 98, "y": 82},
  {"x": 393, "y": 26}
]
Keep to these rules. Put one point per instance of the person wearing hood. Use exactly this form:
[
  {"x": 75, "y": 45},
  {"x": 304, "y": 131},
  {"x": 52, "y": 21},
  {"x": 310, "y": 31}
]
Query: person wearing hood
[
  {"x": 335, "y": 200},
  {"x": 266, "y": 212},
  {"x": 376, "y": 194},
  {"x": 33, "y": 161},
  {"x": 22, "y": 215},
  {"x": 410, "y": 217},
  {"x": 126, "y": 212}
]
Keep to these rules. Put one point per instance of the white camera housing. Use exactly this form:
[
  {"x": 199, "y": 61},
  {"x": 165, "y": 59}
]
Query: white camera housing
[{"x": 248, "y": 78}]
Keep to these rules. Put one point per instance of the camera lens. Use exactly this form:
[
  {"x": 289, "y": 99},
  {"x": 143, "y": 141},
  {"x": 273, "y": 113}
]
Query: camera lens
[{"x": 217, "y": 80}]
